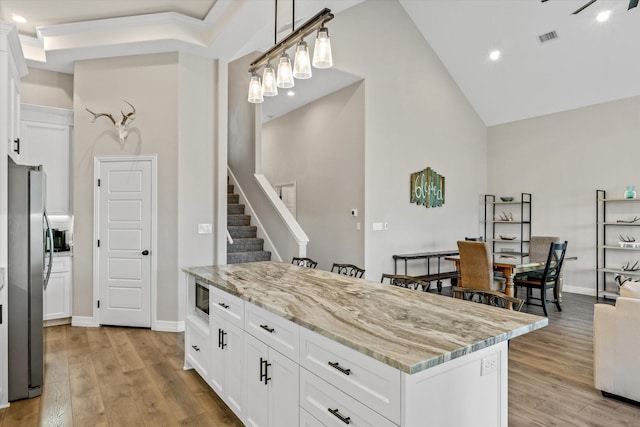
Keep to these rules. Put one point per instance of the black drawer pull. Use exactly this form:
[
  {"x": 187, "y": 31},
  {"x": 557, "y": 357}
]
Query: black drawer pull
[
  {"x": 267, "y": 328},
  {"x": 223, "y": 305},
  {"x": 336, "y": 412},
  {"x": 195, "y": 347},
  {"x": 16, "y": 143},
  {"x": 337, "y": 366}
]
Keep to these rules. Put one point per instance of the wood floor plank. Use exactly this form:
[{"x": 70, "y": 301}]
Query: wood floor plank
[{"x": 55, "y": 409}]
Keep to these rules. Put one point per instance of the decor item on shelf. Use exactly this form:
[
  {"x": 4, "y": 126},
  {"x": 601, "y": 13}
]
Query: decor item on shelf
[
  {"x": 630, "y": 192},
  {"x": 506, "y": 199},
  {"x": 505, "y": 216},
  {"x": 628, "y": 242},
  {"x": 628, "y": 267},
  {"x": 427, "y": 188},
  {"x": 301, "y": 69},
  {"x": 631, "y": 221},
  {"x": 122, "y": 125}
]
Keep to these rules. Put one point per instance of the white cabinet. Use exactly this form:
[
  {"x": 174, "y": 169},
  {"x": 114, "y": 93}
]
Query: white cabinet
[
  {"x": 15, "y": 144},
  {"x": 57, "y": 298},
  {"x": 272, "y": 386},
  {"x": 227, "y": 349},
  {"x": 196, "y": 345},
  {"x": 46, "y": 139}
]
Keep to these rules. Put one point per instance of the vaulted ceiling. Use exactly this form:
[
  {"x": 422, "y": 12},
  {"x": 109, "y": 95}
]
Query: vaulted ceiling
[{"x": 589, "y": 62}]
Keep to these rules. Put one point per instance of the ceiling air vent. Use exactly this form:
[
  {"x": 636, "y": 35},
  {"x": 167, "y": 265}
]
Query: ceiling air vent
[{"x": 548, "y": 36}]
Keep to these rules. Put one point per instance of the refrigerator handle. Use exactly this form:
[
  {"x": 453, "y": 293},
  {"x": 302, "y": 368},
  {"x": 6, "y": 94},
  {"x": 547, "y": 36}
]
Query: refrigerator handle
[{"x": 50, "y": 237}]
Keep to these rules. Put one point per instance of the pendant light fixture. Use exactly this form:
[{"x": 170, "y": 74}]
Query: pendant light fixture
[
  {"x": 269, "y": 87},
  {"x": 255, "y": 89},
  {"x": 301, "y": 69},
  {"x": 302, "y": 63},
  {"x": 322, "y": 57},
  {"x": 285, "y": 75}
]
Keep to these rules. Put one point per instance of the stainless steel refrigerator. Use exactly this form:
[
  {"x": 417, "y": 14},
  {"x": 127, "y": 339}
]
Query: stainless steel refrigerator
[{"x": 29, "y": 270}]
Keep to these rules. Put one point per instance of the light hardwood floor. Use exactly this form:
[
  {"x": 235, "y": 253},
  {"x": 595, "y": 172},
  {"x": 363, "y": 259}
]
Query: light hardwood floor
[{"x": 133, "y": 377}]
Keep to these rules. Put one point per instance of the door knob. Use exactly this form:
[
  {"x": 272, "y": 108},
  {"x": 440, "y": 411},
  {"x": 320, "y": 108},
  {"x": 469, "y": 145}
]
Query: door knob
[{"x": 145, "y": 252}]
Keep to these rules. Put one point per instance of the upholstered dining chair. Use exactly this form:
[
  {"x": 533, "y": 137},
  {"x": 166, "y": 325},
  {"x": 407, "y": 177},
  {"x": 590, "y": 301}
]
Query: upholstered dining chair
[
  {"x": 347, "y": 270},
  {"x": 304, "y": 262},
  {"x": 549, "y": 278},
  {"x": 403, "y": 281}
]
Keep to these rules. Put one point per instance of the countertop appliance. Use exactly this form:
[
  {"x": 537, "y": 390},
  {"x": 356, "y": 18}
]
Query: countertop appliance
[{"x": 29, "y": 271}]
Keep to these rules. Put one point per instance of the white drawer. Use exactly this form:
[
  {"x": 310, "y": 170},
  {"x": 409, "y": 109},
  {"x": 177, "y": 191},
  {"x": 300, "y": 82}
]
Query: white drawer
[
  {"x": 197, "y": 346},
  {"x": 227, "y": 306},
  {"x": 61, "y": 264},
  {"x": 331, "y": 407},
  {"x": 307, "y": 420},
  {"x": 370, "y": 381},
  {"x": 273, "y": 330}
]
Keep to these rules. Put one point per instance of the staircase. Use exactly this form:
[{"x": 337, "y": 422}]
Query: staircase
[{"x": 246, "y": 247}]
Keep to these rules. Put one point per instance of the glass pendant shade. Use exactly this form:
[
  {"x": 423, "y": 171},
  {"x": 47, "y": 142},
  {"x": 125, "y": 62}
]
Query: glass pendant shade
[
  {"x": 269, "y": 87},
  {"x": 285, "y": 75},
  {"x": 255, "y": 89},
  {"x": 322, "y": 52},
  {"x": 302, "y": 63}
]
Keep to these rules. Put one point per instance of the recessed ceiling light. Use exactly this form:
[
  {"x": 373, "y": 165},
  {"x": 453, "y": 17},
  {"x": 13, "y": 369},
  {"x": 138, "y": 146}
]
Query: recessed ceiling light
[
  {"x": 603, "y": 16},
  {"x": 495, "y": 55},
  {"x": 19, "y": 19},
  {"x": 291, "y": 93}
]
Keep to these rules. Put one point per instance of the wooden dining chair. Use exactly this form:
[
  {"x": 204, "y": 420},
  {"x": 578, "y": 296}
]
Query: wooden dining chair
[
  {"x": 476, "y": 277},
  {"x": 408, "y": 282},
  {"x": 347, "y": 270},
  {"x": 549, "y": 278},
  {"x": 304, "y": 262}
]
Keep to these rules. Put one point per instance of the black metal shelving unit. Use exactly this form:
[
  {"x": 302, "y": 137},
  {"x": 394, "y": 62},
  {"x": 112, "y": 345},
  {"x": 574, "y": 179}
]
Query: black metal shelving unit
[
  {"x": 608, "y": 289},
  {"x": 495, "y": 226}
]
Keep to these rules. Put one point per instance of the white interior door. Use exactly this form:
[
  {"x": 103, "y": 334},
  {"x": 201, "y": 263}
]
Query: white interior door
[
  {"x": 288, "y": 196},
  {"x": 125, "y": 243}
]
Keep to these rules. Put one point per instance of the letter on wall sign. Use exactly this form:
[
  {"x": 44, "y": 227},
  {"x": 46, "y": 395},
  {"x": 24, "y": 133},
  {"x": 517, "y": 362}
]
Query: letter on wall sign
[{"x": 427, "y": 188}]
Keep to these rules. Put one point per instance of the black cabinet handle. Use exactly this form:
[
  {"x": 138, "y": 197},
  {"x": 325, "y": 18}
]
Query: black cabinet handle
[
  {"x": 337, "y": 366},
  {"x": 195, "y": 347},
  {"x": 222, "y": 343},
  {"x": 223, "y": 305},
  {"x": 145, "y": 252},
  {"x": 219, "y": 338},
  {"x": 264, "y": 370},
  {"x": 267, "y": 328},
  {"x": 16, "y": 144},
  {"x": 337, "y": 414}
]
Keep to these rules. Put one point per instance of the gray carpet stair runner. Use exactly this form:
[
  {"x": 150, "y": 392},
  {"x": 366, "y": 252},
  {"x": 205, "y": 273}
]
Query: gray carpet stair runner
[{"x": 246, "y": 247}]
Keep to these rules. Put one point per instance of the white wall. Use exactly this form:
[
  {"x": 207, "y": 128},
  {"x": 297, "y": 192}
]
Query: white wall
[
  {"x": 562, "y": 159},
  {"x": 47, "y": 88},
  {"x": 415, "y": 116},
  {"x": 174, "y": 96},
  {"x": 321, "y": 147}
]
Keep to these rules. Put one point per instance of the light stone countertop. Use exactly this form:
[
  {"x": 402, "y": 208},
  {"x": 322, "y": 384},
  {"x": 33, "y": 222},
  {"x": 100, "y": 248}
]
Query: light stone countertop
[{"x": 406, "y": 329}]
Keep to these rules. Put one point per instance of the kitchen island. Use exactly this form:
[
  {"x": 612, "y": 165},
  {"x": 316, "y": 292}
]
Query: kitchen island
[{"x": 343, "y": 349}]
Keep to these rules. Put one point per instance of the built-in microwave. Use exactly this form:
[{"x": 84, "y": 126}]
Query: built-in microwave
[{"x": 202, "y": 300}]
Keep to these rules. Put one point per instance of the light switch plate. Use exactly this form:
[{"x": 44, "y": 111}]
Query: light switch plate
[
  {"x": 378, "y": 226},
  {"x": 204, "y": 228}
]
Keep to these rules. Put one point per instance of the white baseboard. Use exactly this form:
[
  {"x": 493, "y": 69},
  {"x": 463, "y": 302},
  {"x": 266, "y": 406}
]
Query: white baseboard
[
  {"x": 84, "y": 321},
  {"x": 167, "y": 326},
  {"x": 4, "y": 405}
]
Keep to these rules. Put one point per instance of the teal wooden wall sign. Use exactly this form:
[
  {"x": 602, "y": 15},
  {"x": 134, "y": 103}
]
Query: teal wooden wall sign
[{"x": 427, "y": 188}]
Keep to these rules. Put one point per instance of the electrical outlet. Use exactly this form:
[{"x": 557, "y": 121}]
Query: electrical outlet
[
  {"x": 377, "y": 226},
  {"x": 489, "y": 365},
  {"x": 357, "y": 226}
]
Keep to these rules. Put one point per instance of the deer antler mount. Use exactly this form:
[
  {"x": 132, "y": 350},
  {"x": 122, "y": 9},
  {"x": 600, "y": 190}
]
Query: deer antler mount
[{"x": 122, "y": 125}]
